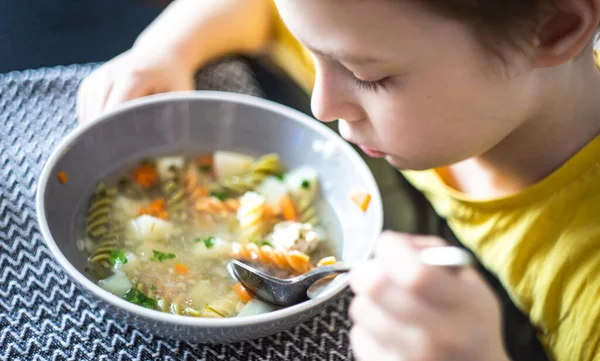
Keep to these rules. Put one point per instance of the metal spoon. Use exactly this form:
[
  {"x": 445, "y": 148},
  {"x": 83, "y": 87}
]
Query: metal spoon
[
  {"x": 278, "y": 291},
  {"x": 287, "y": 292}
]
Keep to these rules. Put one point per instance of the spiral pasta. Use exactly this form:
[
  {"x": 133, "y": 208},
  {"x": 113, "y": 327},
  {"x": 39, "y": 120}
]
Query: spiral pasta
[
  {"x": 263, "y": 167},
  {"x": 307, "y": 212},
  {"x": 215, "y": 206},
  {"x": 175, "y": 197},
  {"x": 192, "y": 185},
  {"x": 294, "y": 261},
  {"x": 251, "y": 216},
  {"x": 226, "y": 306},
  {"x": 99, "y": 212},
  {"x": 100, "y": 227}
]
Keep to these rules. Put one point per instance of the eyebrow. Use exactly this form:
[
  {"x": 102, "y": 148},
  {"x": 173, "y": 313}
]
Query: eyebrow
[{"x": 346, "y": 57}]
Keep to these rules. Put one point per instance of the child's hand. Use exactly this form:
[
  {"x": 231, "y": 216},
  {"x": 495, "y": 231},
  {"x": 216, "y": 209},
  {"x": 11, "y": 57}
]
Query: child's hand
[
  {"x": 405, "y": 310},
  {"x": 130, "y": 75}
]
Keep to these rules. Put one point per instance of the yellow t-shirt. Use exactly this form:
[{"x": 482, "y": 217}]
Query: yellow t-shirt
[{"x": 543, "y": 243}]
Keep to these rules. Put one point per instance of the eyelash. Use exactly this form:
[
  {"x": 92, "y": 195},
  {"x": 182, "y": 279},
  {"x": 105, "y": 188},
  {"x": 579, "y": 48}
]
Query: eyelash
[{"x": 373, "y": 86}]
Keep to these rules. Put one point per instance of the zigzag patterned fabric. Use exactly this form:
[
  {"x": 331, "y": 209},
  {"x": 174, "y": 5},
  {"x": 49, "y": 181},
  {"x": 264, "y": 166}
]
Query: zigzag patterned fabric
[{"x": 43, "y": 315}]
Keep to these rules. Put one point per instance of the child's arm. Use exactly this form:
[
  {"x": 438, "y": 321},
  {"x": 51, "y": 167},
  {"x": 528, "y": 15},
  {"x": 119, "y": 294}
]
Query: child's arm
[
  {"x": 186, "y": 36},
  {"x": 198, "y": 31}
]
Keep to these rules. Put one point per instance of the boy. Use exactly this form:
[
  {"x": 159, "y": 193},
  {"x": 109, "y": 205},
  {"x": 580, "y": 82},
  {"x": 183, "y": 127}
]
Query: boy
[{"x": 491, "y": 109}]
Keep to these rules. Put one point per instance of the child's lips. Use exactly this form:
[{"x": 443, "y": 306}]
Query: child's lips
[{"x": 372, "y": 152}]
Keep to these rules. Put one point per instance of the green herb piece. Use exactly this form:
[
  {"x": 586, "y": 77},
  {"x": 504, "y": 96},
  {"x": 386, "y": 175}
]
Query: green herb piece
[
  {"x": 209, "y": 242},
  {"x": 205, "y": 168},
  {"x": 266, "y": 243},
  {"x": 305, "y": 184},
  {"x": 281, "y": 176},
  {"x": 219, "y": 195},
  {"x": 153, "y": 288},
  {"x": 146, "y": 161},
  {"x": 117, "y": 256},
  {"x": 262, "y": 242},
  {"x": 137, "y": 297},
  {"x": 159, "y": 256}
]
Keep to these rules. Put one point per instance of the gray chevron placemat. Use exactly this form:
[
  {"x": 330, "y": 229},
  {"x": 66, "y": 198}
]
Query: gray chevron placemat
[{"x": 43, "y": 315}]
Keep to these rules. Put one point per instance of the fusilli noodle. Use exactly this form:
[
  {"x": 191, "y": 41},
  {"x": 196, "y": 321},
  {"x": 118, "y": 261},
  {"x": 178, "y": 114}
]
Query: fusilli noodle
[
  {"x": 294, "y": 261},
  {"x": 306, "y": 209},
  {"x": 99, "y": 212},
  {"x": 226, "y": 306},
  {"x": 251, "y": 216},
  {"x": 263, "y": 167},
  {"x": 100, "y": 226},
  {"x": 175, "y": 197},
  {"x": 215, "y": 206}
]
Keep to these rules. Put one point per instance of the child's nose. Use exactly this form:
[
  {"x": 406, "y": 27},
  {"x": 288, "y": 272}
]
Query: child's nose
[{"x": 333, "y": 99}]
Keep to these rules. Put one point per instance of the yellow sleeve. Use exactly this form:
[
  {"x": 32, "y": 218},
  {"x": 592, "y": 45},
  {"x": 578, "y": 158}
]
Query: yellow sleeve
[{"x": 290, "y": 55}]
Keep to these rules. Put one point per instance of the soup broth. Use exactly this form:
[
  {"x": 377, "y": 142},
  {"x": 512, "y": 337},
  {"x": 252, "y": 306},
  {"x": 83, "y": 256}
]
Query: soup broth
[{"x": 161, "y": 236}]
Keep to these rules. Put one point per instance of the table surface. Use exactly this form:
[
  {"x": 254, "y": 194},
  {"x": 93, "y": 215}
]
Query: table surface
[{"x": 43, "y": 315}]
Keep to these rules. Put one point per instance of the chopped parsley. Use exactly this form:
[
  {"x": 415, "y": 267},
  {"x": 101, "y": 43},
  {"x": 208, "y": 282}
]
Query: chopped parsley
[
  {"x": 219, "y": 195},
  {"x": 209, "y": 242},
  {"x": 280, "y": 176},
  {"x": 137, "y": 297},
  {"x": 147, "y": 161},
  {"x": 159, "y": 256},
  {"x": 117, "y": 256},
  {"x": 262, "y": 242},
  {"x": 153, "y": 288},
  {"x": 305, "y": 184},
  {"x": 205, "y": 168}
]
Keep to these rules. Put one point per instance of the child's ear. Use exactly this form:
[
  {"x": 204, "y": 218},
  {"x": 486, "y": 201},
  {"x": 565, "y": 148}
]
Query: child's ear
[{"x": 566, "y": 31}]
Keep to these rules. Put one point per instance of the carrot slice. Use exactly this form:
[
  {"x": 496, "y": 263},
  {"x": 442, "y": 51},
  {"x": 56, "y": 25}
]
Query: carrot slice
[
  {"x": 157, "y": 205},
  {"x": 163, "y": 214},
  {"x": 288, "y": 210},
  {"x": 361, "y": 198},
  {"x": 181, "y": 268},
  {"x": 206, "y": 160},
  {"x": 242, "y": 292},
  {"x": 145, "y": 175},
  {"x": 201, "y": 192},
  {"x": 62, "y": 177}
]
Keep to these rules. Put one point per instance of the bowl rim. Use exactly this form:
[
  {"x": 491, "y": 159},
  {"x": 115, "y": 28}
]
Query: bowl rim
[{"x": 229, "y": 97}]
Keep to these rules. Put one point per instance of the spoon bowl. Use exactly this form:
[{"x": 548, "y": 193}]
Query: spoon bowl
[{"x": 279, "y": 291}]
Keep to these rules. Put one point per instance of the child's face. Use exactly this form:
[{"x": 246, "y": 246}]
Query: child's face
[{"x": 443, "y": 98}]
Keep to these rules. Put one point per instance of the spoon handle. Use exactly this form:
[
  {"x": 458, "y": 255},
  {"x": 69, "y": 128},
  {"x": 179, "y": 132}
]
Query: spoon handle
[{"x": 451, "y": 257}]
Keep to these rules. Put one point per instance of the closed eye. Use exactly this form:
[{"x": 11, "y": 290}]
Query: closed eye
[{"x": 373, "y": 86}]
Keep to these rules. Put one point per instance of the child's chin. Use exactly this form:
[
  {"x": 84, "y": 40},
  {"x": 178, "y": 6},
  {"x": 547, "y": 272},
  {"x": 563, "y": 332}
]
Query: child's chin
[{"x": 405, "y": 164}]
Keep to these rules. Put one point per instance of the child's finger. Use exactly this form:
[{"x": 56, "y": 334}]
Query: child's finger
[
  {"x": 98, "y": 96},
  {"x": 366, "y": 348},
  {"x": 92, "y": 95},
  {"x": 402, "y": 265},
  {"x": 399, "y": 326},
  {"x": 367, "y": 277},
  {"x": 122, "y": 91}
]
